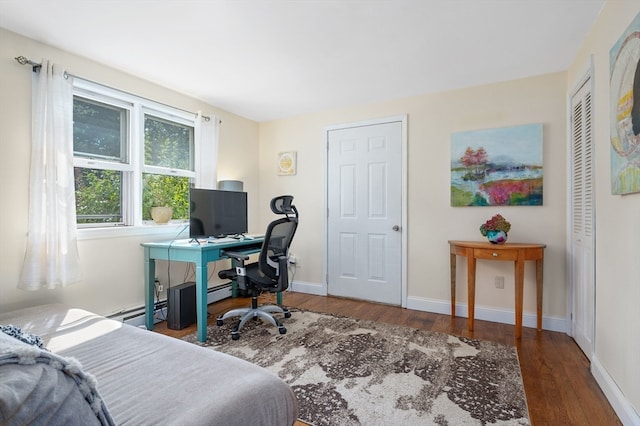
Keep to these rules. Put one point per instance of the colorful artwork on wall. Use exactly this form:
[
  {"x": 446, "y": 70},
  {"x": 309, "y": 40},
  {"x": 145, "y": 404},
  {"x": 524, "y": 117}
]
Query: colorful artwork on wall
[
  {"x": 624, "y": 64},
  {"x": 497, "y": 167}
]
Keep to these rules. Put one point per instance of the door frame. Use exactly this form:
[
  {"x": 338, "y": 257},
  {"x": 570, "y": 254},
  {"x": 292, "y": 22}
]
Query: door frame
[
  {"x": 404, "y": 141},
  {"x": 586, "y": 77}
]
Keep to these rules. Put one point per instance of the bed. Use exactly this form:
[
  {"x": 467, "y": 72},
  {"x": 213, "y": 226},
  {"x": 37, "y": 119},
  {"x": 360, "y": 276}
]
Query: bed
[{"x": 141, "y": 377}]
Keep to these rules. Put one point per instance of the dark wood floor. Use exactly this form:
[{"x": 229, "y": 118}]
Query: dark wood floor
[{"x": 559, "y": 387}]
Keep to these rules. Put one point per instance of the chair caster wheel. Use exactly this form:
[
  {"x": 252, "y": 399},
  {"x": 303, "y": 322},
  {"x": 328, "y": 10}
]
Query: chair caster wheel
[
  {"x": 282, "y": 330},
  {"x": 287, "y": 314},
  {"x": 219, "y": 322},
  {"x": 235, "y": 335}
]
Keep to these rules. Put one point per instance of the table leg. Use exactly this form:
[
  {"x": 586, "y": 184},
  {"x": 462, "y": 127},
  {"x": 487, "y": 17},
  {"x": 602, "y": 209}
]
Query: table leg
[
  {"x": 149, "y": 288},
  {"x": 539, "y": 275},
  {"x": 519, "y": 273},
  {"x": 453, "y": 284},
  {"x": 201, "y": 301},
  {"x": 471, "y": 287}
]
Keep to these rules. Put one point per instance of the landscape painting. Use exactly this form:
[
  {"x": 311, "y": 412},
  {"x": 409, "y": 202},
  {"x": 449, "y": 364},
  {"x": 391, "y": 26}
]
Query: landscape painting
[{"x": 497, "y": 167}]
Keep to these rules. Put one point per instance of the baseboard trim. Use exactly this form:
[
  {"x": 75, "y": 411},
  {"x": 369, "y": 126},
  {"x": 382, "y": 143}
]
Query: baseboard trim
[
  {"x": 309, "y": 288},
  {"x": 484, "y": 313},
  {"x": 621, "y": 405}
]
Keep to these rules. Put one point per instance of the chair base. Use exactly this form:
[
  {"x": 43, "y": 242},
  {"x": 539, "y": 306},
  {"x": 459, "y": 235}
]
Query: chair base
[{"x": 254, "y": 311}]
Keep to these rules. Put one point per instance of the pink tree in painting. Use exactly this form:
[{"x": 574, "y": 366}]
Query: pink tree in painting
[{"x": 476, "y": 161}]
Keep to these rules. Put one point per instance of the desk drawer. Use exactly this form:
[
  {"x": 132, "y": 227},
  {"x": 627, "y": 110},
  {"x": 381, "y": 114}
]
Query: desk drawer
[{"x": 495, "y": 254}]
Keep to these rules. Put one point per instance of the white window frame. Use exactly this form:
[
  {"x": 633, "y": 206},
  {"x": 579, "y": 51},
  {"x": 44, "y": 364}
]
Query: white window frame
[{"x": 133, "y": 169}]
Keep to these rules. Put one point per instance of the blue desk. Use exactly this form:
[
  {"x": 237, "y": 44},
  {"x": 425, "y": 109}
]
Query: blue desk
[{"x": 185, "y": 251}]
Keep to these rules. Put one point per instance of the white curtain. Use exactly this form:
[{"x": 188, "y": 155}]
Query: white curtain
[
  {"x": 51, "y": 260},
  {"x": 207, "y": 129}
]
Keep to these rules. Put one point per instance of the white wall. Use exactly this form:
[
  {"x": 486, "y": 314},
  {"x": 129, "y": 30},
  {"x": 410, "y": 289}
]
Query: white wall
[
  {"x": 617, "y": 340},
  {"x": 112, "y": 267},
  {"x": 431, "y": 219}
]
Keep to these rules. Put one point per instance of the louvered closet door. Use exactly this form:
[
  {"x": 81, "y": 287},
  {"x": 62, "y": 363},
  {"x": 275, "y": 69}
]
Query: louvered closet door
[{"x": 582, "y": 259}]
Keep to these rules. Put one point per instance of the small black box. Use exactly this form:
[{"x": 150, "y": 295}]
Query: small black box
[{"x": 181, "y": 306}]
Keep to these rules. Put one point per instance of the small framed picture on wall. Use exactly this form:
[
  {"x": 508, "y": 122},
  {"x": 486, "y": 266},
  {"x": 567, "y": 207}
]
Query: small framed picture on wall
[{"x": 287, "y": 163}]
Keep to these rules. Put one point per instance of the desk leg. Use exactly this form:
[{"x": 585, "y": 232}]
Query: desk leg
[
  {"x": 201, "y": 300},
  {"x": 519, "y": 273},
  {"x": 149, "y": 287},
  {"x": 471, "y": 287},
  {"x": 539, "y": 275},
  {"x": 453, "y": 284}
]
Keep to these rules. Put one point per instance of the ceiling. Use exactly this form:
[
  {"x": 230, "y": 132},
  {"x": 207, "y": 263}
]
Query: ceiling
[{"x": 270, "y": 59}]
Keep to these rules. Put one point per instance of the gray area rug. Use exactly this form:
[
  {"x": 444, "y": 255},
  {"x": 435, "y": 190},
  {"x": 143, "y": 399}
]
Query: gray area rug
[{"x": 346, "y": 371}]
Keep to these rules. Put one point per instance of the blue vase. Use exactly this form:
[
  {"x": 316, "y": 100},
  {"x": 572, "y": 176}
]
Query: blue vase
[{"x": 497, "y": 237}]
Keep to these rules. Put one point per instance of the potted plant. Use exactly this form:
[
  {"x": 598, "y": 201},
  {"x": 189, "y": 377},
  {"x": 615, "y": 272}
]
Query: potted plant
[
  {"x": 496, "y": 229},
  {"x": 161, "y": 211}
]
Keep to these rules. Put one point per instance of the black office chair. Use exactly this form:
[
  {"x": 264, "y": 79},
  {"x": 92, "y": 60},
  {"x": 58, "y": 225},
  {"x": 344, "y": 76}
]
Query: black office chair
[{"x": 269, "y": 273}]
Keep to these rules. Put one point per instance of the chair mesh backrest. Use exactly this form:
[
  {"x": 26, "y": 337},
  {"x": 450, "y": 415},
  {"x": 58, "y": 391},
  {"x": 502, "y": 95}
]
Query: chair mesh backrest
[
  {"x": 282, "y": 205},
  {"x": 277, "y": 241}
]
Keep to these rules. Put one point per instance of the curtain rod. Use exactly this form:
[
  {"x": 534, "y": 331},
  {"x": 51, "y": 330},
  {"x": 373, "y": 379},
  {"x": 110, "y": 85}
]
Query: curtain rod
[{"x": 35, "y": 66}]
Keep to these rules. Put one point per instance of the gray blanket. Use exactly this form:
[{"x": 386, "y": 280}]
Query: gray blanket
[{"x": 39, "y": 387}]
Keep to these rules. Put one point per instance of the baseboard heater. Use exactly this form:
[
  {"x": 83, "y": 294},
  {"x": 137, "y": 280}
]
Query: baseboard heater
[{"x": 136, "y": 318}]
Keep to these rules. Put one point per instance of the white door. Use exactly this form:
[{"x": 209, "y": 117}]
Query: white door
[
  {"x": 582, "y": 257},
  {"x": 364, "y": 218}
]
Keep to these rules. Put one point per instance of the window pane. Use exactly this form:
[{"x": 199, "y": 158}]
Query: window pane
[
  {"x": 98, "y": 196},
  {"x": 167, "y": 144},
  {"x": 165, "y": 190},
  {"x": 99, "y": 130}
]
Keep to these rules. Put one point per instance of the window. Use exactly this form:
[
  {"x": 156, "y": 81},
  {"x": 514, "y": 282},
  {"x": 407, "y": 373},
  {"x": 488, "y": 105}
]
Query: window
[
  {"x": 168, "y": 163},
  {"x": 130, "y": 154}
]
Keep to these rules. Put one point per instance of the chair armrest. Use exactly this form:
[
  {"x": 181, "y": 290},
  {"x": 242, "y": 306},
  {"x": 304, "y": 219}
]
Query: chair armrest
[
  {"x": 239, "y": 272},
  {"x": 236, "y": 255}
]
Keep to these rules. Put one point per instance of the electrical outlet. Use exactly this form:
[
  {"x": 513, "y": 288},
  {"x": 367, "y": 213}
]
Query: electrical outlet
[
  {"x": 160, "y": 288},
  {"x": 293, "y": 260},
  {"x": 499, "y": 281}
]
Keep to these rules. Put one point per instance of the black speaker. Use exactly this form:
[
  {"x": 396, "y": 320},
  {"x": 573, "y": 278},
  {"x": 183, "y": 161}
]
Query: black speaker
[{"x": 181, "y": 306}]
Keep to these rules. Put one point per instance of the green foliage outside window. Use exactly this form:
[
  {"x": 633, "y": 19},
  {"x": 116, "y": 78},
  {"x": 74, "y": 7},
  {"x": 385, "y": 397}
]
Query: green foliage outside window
[
  {"x": 164, "y": 190},
  {"x": 99, "y": 130},
  {"x": 98, "y": 196},
  {"x": 167, "y": 144}
]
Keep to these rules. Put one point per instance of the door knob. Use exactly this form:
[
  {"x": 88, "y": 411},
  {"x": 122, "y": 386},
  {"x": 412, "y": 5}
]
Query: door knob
[{"x": 396, "y": 228}]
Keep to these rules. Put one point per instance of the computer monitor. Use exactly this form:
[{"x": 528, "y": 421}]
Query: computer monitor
[{"x": 216, "y": 213}]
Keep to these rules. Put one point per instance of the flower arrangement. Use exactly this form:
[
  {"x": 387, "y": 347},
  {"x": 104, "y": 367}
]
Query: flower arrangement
[{"x": 496, "y": 223}]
